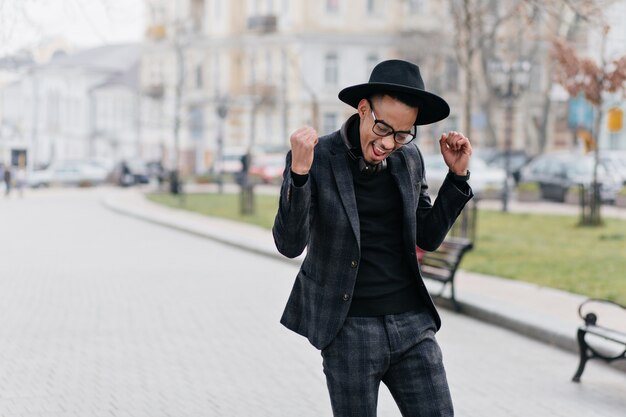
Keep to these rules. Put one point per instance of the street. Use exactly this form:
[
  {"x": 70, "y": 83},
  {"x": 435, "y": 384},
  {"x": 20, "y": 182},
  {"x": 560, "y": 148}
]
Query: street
[{"x": 106, "y": 315}]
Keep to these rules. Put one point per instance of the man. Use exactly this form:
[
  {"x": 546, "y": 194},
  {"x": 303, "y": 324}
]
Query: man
[{"x": 358, "y": 201}]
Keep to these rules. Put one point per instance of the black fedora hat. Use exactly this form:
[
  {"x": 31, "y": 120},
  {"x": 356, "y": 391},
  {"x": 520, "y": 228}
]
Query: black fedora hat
[{"x": 396, "y": 76}]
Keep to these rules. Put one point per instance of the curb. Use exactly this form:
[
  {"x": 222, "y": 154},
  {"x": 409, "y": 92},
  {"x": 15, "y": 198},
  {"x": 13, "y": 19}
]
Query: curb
[{"x": 137, "y": 214}]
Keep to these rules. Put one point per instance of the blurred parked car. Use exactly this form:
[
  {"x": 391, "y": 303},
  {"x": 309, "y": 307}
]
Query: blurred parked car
[
  {"x": 556, "y": 173},
  {"x": 230, "y": 163},
  {"x": 485, "y": 180},
  {"x": 436, "y": 171},
  {"x": 517, "y": 160},
  {"x": 267, "y": 169},
  {"x": 67, "y": 173},
  {"x": 616, "y": 162},
  {"x": 131, "y": 172}
]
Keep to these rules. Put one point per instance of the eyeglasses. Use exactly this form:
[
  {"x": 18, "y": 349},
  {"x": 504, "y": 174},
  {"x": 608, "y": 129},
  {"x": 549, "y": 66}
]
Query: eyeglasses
[{"x": 382, "y": 129}]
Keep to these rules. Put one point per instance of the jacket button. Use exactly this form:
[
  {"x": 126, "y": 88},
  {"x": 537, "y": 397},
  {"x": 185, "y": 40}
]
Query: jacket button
[
  {"x": 346, "y": 297},
  {"x": 353, "y": 264}
]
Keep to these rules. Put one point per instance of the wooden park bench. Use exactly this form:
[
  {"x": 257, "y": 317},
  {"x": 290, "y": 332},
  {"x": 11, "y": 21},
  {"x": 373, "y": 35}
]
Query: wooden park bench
[
  {"x": 592, "y": 328},
  {"x": 441, "y": 265}
]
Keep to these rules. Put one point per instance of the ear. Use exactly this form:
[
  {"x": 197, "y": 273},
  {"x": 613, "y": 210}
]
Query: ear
[{"x": 363, "y": 107}]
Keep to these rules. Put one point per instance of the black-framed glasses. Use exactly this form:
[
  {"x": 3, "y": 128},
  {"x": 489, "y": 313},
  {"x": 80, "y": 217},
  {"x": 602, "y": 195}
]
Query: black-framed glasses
[{"x": 382, "y": 129}]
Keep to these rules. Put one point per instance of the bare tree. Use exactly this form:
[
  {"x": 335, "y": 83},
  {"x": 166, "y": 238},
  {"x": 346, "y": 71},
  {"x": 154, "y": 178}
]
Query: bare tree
[
  {"x": 467, "y": 16},
  {"x": 583, "y": 75},
  {"x": 478, "y": 37}
]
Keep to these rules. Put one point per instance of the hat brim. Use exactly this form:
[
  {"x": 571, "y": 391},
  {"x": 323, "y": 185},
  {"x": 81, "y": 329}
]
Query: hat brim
[{"x": 432, "y": 108}]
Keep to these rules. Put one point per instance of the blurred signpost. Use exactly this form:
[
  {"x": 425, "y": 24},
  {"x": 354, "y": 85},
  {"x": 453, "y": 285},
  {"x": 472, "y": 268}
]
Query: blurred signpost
[
  {"x": 580, "y": 116},
  {"x": 580, "y": 113},
  {"x": 614, "y": 124}
]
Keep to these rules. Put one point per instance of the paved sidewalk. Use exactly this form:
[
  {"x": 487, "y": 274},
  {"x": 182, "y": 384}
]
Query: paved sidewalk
[{"x": 541, "y": 313}]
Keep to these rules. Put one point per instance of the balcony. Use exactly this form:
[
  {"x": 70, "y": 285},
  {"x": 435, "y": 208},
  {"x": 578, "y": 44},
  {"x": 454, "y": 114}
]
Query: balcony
[
  {"x": 262, "y": 93},
  {"x": 154, "y": 91},
  {"x": 262, "y": 23},
  {"x": 261, "y": 90}
]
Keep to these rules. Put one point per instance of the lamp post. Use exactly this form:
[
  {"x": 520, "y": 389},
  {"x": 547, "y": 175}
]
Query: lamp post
[
  {"x": 179, "y": 54},
  {"x": 509, "y": 81},
  {"x": 222, "y": 112}
]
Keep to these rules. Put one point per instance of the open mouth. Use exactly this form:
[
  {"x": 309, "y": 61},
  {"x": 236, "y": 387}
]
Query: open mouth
[{"x": 377, "y": 153}]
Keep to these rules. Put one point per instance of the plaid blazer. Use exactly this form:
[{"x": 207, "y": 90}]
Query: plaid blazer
[{"x": 322, "y": 216}]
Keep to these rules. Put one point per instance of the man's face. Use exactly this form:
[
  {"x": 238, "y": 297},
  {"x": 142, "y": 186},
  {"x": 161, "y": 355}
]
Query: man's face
[{"x": 393, "y": 113}]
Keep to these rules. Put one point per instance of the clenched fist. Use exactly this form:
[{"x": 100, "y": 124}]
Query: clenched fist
[
  {"x": 303, "y": 142},
  {"x": 456, "y": 150}
]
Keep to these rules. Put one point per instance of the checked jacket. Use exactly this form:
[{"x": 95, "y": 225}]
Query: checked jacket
[{"x": 322, "y": 217}]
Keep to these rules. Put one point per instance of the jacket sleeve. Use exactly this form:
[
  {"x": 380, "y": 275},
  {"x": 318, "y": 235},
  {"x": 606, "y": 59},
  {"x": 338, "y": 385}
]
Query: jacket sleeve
[
  {"x": 434, "y": 220},
  {"x": 291, "y": 228}
]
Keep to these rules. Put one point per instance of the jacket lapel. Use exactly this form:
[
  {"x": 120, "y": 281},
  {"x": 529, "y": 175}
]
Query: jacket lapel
[
  {"x": 343, "y": 178},
  {"x": 400, "y": 171}
]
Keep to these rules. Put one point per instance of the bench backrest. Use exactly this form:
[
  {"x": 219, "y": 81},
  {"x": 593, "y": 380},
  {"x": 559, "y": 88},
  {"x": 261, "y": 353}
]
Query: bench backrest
[{"x": 446, "y": 259}]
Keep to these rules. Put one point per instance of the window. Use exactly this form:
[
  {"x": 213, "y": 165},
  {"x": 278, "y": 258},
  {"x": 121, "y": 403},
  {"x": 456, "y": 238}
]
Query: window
[
  {"x": 199, "y": 76},
  {"x": 330, "y": 123},
  {"x": 216, "y": 73},
  {"x": 371, "y": 61},
  {"x": 196, "y": 123},
  {"x": 269, "y": 70},
  {"x": 217, "y": 9},
  {"x": 371, "y": 6},
  {"x": 331, "y": 69},
  {"x": 536, "y": 75},
  {"x": 452, "y": 75},
  {"x": 197, "y": 14},
  {"x": 332, "y": 6},
  {"x": 269, "y": 133},
  {"x": 156, "y": 71},
  {"x": 53, "y": 105},
  {"x": 416, "y": 6},
  {"x": 452, "y": 123},
  {"x": 252, "y": 72}
]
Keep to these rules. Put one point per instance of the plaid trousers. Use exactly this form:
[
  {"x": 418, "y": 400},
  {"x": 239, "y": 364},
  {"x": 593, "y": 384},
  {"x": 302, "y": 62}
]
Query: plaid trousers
[{"x": 401, "y": 351}]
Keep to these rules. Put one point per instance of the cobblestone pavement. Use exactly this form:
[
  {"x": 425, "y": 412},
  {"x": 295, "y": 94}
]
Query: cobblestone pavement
[{"x": 104, "y": 315}]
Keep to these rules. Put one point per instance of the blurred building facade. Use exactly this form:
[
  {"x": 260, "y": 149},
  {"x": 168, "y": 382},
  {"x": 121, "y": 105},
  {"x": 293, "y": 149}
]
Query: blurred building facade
[
  {"x": 217, "y": 75},
  {"x": 12, "y": 69},
  {"x": 73, "y": 107},
  {"x": 273, "y": 66}
]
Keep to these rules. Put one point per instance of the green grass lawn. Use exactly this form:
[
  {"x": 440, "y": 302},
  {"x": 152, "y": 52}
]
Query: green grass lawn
[
  {"x": 552, "y": 251},
  {"x": 223, "y": 205},
  {"x": 547, "y": 250}
]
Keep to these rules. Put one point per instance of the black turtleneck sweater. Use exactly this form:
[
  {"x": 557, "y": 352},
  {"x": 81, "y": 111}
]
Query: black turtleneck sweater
[{"x": 385, "y": 283}]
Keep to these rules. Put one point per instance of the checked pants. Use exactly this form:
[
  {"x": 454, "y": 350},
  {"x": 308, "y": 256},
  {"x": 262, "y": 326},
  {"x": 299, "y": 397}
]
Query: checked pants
[{"x": 401, "y": 351}]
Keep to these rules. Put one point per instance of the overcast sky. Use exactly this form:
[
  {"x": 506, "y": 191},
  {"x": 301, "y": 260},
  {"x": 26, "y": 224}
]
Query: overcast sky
[{"x": 82, "y": 22}]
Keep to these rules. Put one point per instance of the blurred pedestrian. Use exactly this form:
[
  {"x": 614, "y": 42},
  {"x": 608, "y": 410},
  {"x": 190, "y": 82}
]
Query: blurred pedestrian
[
  {"x": 7, "y": 180},
  {"x": 126, "y": 177},
  {"x": 357, "y": 199},
  {"x": 160, "y": 174},
  {"x": 246, "y": 160},
  {"x": 20, "y": 180}
]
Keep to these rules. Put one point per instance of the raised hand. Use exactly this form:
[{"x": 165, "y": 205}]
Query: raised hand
[
  {"x": 303, "y": 142},
  {"x": 456, "y": 150}
]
